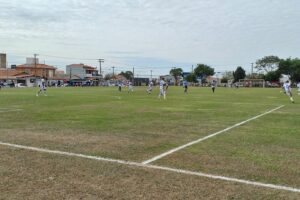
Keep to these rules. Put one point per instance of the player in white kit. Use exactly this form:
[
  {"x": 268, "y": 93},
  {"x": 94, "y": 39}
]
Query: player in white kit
[
  {"x": 288, "y": 90},
  {"x": 298, "y": 86},
  {"x": 42, "y": 86},
  {"x": 162, "y": 89},
  {"x": 149, "y": 90},
  {"x": 130, "y": 87}
]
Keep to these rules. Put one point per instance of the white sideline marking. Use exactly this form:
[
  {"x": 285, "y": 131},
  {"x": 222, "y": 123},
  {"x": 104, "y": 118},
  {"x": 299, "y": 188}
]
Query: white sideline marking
[
  {"x": 180, "y": 171},
  {"x": 206, "y": 137},
  {"x": 10, "y": 110}
]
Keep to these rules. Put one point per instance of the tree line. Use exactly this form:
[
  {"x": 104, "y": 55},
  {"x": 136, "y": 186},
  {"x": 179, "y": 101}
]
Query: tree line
[{"x": 269, "y": 68}]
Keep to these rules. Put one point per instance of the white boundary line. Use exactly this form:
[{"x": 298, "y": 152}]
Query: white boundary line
[
  {"x": 11, "y": 110},
  {"x": 207, "y": 137},
  {"x": 179, "y": 171}
]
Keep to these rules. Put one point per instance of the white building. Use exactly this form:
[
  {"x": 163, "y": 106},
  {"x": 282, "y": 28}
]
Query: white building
[{"x": 81, "y": 70}]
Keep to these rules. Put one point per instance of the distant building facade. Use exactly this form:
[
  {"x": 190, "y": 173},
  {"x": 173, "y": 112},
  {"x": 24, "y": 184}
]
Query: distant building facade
[
  {"x": 2, "y": 60},
  {"x": 37, "y": 70},
  {"x": 82, "y": 71}
]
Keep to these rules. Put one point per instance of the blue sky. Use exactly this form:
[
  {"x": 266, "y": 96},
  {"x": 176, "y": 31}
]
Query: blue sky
[{"x": 150, "y": 35}]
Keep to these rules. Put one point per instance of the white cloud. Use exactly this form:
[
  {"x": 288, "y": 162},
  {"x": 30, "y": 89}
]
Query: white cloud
[{"x": 217, "y": 32}]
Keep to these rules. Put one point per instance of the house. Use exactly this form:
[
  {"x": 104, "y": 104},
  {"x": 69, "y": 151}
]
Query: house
[
  {"x": 29, "y": 73},
  {"x": 8, "y": 75},
  {"x": 37, "y": 70},
  {"x": 82, "y": 70},
  {"x": 82, "y": 73},
  {"x": 12, "y": 77}
]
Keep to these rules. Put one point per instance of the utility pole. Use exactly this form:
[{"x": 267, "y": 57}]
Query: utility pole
[
  {"x": 133, "y": 76},
  {"x": 113, "y": 70},
  {"x": 151, "y": 75},
  {"x": 35, "y": 55},
  {"x": 192, "y": 68},
  {"x": 100, "y": 61},
  {"x": 252, "y": 70},
  {"x": 100, "y": 72}
]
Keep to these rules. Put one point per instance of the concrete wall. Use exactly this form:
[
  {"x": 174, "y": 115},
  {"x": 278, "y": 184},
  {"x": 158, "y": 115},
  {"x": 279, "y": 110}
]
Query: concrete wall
[{"x": 28, "y": 83}]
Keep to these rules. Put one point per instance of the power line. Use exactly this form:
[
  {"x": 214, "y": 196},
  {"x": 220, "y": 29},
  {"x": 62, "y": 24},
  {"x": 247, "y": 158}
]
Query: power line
[
  {"x": 113, "y": 70},
  {"x": 128, "y": 65},
  {"x": 70, "y": 58}
]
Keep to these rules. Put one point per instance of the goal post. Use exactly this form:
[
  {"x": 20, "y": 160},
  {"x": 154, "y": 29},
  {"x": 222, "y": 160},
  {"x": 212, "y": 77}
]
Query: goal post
[{"x": 252, "y": 82}]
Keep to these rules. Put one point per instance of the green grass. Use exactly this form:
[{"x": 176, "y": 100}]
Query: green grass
[
  {"x": 136, "y": 127},
  {"x": 127, "y": 126}
]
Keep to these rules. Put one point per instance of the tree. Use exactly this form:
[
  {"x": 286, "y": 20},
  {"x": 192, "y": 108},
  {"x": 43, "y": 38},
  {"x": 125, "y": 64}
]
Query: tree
[
  {"x": 202, "y": 71},
  {"x": 109, "y": 76},
  {"x": 290, "y": 67},
  {"x": 228, "y": 75},
  {"x": 273, "y": 76},
  {"x": 128, "y": 75},
  {"x": 191, "y": 78},
  {"x": 224, "y": 80},
  {"x": 239, "y": 74},
  {"x": 256, "y": 75},
  {"x": 176, "y": 72},
  {"x": 267, "y": 63}
]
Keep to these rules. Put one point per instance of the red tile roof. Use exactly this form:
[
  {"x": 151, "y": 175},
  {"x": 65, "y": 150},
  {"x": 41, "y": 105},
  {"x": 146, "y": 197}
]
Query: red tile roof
[
  {"x": 8, "y": 72},
  {"x": 40, "y": 66},
  {"x": 83, "y": 65}
]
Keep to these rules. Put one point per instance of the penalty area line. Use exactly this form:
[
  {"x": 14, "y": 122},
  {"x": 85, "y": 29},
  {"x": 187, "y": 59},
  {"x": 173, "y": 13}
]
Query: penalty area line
[
  {"x": 148, "y": 166},
  {"x": 207, "y": 137}
]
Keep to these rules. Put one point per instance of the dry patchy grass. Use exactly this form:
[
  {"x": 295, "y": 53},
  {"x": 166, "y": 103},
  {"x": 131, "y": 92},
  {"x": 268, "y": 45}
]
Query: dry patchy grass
[{"x": 31, "y": 175}]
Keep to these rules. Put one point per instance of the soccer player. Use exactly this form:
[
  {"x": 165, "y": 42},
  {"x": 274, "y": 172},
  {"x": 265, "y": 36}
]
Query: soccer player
[
  {"x": 149, "y": 90},
  {"x": 130, "y": 87},
  {"x": 213, "y": 86},
  {"x": 282, "y": 89},
  {"x": 288, "y": 90},
  {"x": 185, "y": 85},
  {"x": 120, "y": 86},
  {"x": 42, "y": 87},
  {"x": 166, "y": 86},
  {"x": 298, "y": 86},
  {"x": 162, "y": 88}
]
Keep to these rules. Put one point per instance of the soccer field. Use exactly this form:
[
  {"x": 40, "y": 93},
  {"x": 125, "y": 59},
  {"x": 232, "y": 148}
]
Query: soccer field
[{"x": 98, "y": 143}]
